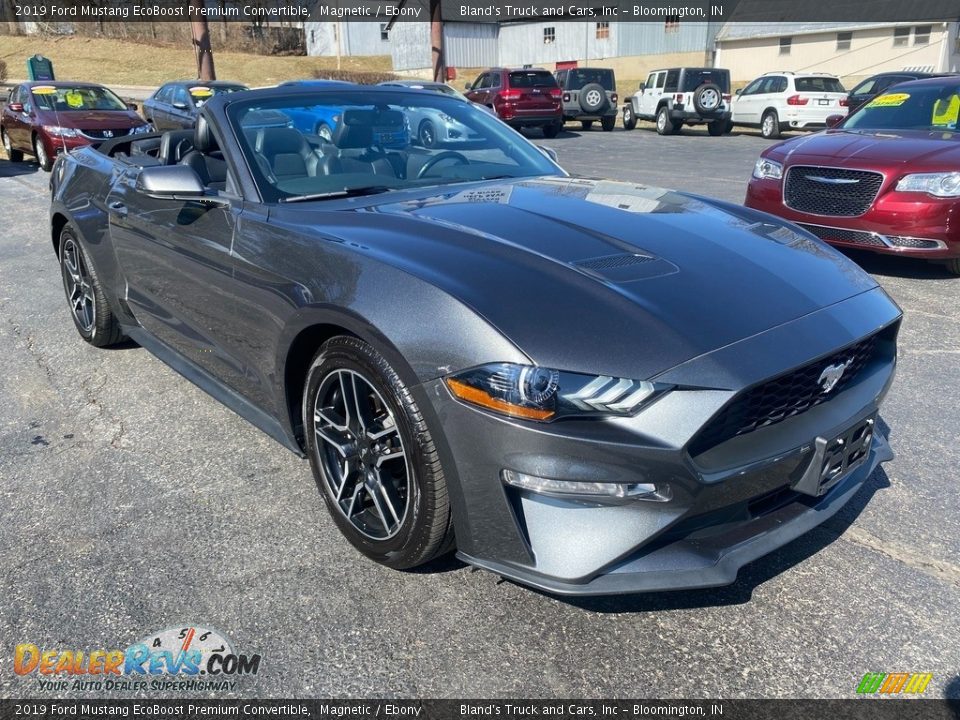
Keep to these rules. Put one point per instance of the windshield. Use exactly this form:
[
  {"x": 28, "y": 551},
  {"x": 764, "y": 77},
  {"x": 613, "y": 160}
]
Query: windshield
[
  {"x": 532, "y": 78},
  {"x": 585, "y": 76},
  {"x": 375, "y": 140},
  {"x": 927, "y": 107},
  {"x": 199, "y": 94},
  {"x": 692, "y": 79},
  {"x": 66, "y": 99},
  {"x": 819, "y": 84}
]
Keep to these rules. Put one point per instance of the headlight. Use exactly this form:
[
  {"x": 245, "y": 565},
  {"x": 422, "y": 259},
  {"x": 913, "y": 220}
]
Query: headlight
[
  {"x": 61, "y": 131},
  {"x": 140, "y": 129},
  {"x": 945, "y": 185},
  {"x": 542, "y": 394},
  {"x": 767, "y": 170}
]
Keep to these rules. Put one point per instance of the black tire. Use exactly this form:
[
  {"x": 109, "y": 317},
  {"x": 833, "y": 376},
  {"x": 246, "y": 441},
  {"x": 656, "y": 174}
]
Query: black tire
[
  {"x": 664, "y": 124},
  {"x": 552, "y": 130},
  {"x": 629, "y": 119},
  {"x": 324, "y": 132},
  {"x": 427, "y": 134},
  {"x": 770, "y": 125},
  {"x": 707, "y": 98},
  {"x": 12, "y": 155},
  {"x": 86, "y": 298},
  {"x": 586, "y": 124},
  {"x": 717, "y": 127},
  {"x": 608, "y": 123},
  {"x": 593, "y": 98},
  {"x": 425, "y": 529},
  {"x": 40, "y": 153},
  {"x": 953, "y": 266}
]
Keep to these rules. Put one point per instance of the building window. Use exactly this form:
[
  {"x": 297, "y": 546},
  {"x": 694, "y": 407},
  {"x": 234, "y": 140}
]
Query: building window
[
  {"x": 785, "y": 43},
  {"x": 603, "y": 30},
  {"x": 384, "y": 33},
  {"x": 921, "y": 34},
  {"x": 672, "y": 24},
  {"x": 549, "y": 35},
  {"x": 900, "y": 36},
  {"x": 843, "y": 40}
]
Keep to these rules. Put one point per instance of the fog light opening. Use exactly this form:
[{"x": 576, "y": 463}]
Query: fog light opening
[{"x": 548, "y": 486}]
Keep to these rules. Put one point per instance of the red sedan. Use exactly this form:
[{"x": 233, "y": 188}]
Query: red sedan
[
  {"x": 886, "y": 178},
  {"x": 45, "y": 118}
]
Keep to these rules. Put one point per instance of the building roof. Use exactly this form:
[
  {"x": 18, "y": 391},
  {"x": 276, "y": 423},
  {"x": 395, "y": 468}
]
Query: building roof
[{"x": 741, "y": 31}]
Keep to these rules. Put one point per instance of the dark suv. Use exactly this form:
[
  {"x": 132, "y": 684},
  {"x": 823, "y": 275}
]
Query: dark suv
[
  {"x": 873, "y": 86},
  {"x": 528, "y": 97},
  {"x": 675, "y": 97},
  {"x": 589, "y": 94}
]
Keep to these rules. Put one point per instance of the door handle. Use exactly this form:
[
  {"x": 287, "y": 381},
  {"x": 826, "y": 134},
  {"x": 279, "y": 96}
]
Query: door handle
[{"x": 118, "y": 208}]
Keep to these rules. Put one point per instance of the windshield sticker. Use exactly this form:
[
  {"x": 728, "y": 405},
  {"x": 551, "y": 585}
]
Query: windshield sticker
[
  {"x": 201, "y": 92},
  {"x": 891, "y": 100},
  {"x": 74, "y": 99},
  {"x": 43, "y": 90},
  {"x": 946, "y": 112}
]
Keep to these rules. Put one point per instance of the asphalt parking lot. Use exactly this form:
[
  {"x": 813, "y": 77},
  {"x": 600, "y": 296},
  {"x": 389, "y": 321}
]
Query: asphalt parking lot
[{"x": 131, "y": 502}]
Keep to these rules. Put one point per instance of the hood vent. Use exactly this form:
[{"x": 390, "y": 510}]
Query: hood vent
[{"x": 609, "y": 262}]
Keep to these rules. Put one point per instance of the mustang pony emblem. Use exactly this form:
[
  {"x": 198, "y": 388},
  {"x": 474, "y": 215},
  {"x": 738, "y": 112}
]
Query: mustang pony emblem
[{"x": 831, "y": 375}]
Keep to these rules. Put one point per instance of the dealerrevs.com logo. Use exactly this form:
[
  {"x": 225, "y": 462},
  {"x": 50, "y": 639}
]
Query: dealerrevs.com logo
[{"x": 189, "y": 658}]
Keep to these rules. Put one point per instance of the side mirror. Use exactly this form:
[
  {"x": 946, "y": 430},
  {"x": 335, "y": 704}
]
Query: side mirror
[
  {"x": 180, "y": 105},
  {"x": 173, "y": 182},
  {"x": 133, "y": 106},
  {"x": 641, "y": 87},
  {"x": 15, "y": 107},
  {"x": 834, "y": 120},
  {"x": 739, "y": 90},
  {"x": 549, "y": 152},
  {"x": 467, "y": 86}
]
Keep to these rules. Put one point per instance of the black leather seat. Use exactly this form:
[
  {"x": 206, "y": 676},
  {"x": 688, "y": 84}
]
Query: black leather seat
[
  {"x": 355, "y": 147},
  {"x": 287, "y": 154},
  {"x": 174, "y": 146},
  {"x": 205, "y": 158}
]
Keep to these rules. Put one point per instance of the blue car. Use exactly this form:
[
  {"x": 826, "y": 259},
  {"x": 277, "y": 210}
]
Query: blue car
[{"x": 319, "y": 120}]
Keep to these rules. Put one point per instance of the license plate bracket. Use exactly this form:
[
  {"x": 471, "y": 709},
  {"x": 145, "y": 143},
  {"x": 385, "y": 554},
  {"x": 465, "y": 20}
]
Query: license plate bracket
[{"x": 835, "y": 458}]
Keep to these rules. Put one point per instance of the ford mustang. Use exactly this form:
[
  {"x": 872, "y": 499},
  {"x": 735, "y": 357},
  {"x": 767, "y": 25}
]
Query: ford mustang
[{"x": 587, "y": 386}]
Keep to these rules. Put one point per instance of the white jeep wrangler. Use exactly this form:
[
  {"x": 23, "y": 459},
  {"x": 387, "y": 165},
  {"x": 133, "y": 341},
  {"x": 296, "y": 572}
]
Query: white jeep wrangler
[{"x": 675, "y": 97}]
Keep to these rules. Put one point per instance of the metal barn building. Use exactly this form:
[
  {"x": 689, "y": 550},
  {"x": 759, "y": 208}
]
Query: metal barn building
[{"x": 354, "y": 38}]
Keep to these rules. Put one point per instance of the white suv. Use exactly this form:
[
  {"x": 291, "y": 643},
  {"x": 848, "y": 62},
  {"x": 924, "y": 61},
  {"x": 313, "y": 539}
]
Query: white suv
[{"x": 780, "y": 101}]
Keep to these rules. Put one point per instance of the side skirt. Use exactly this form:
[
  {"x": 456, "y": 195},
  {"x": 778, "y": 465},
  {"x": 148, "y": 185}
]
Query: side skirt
[{"x": 213, "y": 387}]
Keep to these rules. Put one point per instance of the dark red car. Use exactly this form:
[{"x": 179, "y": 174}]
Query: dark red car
[
  {"x": 528, "y": 97},
  {"x": 46, "y": 118},
  {"x": 886, "y": 178}
]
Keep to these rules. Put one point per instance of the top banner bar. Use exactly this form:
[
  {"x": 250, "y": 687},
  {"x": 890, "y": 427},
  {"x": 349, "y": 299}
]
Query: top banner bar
[{"x": 485, "y": 11}]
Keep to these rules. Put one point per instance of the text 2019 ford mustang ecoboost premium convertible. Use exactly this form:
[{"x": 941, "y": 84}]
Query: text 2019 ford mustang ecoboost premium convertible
[{"x": 586, "y": 386}]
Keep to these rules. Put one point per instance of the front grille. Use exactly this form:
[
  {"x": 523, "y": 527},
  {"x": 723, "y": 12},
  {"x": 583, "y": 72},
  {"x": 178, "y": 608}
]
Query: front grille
[
  {"x": 106, "y": 134},
  {"x": 917, "y": 243},
  {"x": 854, "y": 237},
  {"x": 784, "y": 396},
  {"x": 830, "y": 191}
]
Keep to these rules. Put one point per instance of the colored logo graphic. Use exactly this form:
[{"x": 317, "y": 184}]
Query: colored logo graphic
[
  {"x": 189, "y": 651},
  {"x": 894, "y": 683}
]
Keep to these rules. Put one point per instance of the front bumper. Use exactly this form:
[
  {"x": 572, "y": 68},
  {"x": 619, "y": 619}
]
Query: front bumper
[
  {"x": 726, "y": 506},
  {"x": 910, "y": 224}
]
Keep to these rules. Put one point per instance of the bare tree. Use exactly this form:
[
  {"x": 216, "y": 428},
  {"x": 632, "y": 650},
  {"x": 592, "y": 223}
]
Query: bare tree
[
  {"x": 436, "y": 42},
  {"x": 201, "y": 42}
]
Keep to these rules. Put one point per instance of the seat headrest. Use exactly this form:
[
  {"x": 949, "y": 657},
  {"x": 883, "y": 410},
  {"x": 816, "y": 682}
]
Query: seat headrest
[
  {"x": 276, "y": 141},
  {"x": 203, "y": 139},
  {"x": 174, "y": 144},
  {"x": 363, "y": 128}
]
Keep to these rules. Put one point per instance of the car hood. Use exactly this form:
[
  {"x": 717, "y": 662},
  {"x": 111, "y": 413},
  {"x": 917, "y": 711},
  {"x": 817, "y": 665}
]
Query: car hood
[
  {"x": 609, "y": 277},
  {"x": 923, "y": 149},
  {"x": 94, "y": 119}
]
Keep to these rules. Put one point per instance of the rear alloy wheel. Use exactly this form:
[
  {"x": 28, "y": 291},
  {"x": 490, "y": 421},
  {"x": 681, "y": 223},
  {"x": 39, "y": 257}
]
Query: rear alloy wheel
[
  {"x": 12, "y": 155},
  {"x": 40, "y": 152},
  {"x": 608, "y": 123},
  {"x": 629, "y": 119},
  {"x": 664, "y": 125},
  {"x": 770, "y": 125},
  {"x": 374, "y": 458},
  {"x": 552, "y": 130},
  {"x": 427, "y": 134},
  {"x": 88, "y": 304}
]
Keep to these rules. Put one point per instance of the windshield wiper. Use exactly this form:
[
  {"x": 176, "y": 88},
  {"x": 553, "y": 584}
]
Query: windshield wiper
[{"x": 346, "y": 192}]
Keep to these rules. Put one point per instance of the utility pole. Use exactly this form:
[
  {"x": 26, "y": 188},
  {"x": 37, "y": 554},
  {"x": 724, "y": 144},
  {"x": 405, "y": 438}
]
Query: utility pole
[{"x": 436, "y": 42}]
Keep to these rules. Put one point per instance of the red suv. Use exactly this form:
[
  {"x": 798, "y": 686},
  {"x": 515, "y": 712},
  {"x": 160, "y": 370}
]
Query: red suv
[
  {"x": 521, "y": 98},
  {"x": 45, "y": 118},
  {"x": 886, "y": 178}
]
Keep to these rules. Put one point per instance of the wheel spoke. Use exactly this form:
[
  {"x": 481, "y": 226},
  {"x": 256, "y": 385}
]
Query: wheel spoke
[
  {"x": 391, "y": 454},
  {"x": 379, "y": 508},
  {"x": 384, "y": 489},
  {"x": 330, "y": 439},
  {"x": 353, "y": 500}
]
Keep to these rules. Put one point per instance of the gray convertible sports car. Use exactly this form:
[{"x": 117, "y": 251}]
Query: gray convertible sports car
[{"x": 586, "y": 386}]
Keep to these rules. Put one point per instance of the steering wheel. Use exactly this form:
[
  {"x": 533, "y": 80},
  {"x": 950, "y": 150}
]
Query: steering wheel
[{"x": 446, "y": 155}]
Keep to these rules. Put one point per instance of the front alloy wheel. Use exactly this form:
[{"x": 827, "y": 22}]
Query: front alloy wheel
[
  {"x": 374, "y": 458},
  {"x": 88, "y": 304},
  {"x": 40, "y": 151}
]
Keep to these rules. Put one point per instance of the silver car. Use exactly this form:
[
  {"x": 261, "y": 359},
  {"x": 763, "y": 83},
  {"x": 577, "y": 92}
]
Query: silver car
[{"x": 430, "y": 127}]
